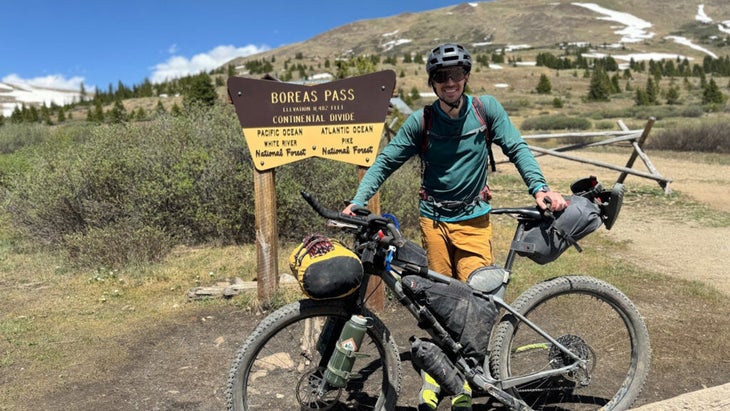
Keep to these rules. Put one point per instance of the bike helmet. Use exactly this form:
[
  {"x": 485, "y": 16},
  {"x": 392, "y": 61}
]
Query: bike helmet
[{"x": 447, "y": 55}]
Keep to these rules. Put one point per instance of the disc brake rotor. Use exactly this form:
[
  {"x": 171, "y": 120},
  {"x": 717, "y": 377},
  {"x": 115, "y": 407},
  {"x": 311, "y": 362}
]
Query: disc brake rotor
[{"x": 310, "y": 395}]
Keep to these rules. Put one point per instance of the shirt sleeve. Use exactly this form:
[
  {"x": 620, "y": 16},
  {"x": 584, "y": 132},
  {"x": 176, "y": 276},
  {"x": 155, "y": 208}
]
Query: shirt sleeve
[
  {"x": 403, "y": 146},
  {"x": 508, "y": 138}
]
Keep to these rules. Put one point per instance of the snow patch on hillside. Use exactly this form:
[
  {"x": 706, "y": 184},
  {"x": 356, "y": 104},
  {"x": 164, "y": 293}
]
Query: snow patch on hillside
[
  {"x": 634, "y": 28},
  {"x": 15, "y": 95}
]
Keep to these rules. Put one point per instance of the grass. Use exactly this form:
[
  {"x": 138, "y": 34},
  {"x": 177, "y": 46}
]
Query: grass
[{"x": 57, "y": 321}]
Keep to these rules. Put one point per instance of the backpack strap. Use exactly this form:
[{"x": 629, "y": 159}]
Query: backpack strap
[
  {"x": 426, "y": 123},
  {"x": 481, "y": 112}
]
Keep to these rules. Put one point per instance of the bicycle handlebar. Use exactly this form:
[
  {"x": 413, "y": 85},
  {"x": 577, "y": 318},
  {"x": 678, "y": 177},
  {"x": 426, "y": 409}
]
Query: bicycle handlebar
[{"x": 375, "y": 221}]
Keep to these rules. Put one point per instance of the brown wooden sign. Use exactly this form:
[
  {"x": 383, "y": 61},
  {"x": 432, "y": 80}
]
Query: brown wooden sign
[{"x": 342, "y": 120}]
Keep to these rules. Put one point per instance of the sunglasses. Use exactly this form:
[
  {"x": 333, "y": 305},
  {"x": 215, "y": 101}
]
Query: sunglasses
[{"x": 442, "y": 76}]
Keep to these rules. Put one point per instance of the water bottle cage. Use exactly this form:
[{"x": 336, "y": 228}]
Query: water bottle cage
[{"x": 345, "y": 375}]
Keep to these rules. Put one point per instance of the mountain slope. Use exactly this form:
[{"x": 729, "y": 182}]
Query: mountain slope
[
  {"x": 626, "y": 27},
  {"x": 488, "y": 25},
  {"x": 12, "y": 95}
]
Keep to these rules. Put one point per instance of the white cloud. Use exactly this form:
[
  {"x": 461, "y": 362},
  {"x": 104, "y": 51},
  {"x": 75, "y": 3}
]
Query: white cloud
[
  {"x": 179, "y": 66},
  {"x": 55, "y": 81}
]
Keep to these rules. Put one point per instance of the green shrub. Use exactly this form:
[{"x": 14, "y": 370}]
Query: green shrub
[
  {"x": 16, "y": 136},
  {"x": 556, "y": 122},
  {"x": 711, "y": 137},
  {"x": 117, "y": 245},
  {"x": 184, "y": 177},
  {"x": 514, "y": 106},
  {"x": 120, "y": 194}
]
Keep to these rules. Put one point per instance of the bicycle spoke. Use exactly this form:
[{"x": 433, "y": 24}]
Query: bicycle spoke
[
  {"x": 601, "y": 330},
  {"x": 280, "y": 366}
]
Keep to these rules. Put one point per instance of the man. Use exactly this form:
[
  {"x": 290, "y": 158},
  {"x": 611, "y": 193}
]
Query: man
[{"x": 452, "y": 138}]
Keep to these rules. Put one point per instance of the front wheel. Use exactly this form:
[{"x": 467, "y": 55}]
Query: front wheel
[
  {"x": 280, "y": 365},
  {"x": 592, "y": 319}
]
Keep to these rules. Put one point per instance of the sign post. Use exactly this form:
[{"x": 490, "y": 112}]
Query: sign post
[{"x": 282, "y": 123}]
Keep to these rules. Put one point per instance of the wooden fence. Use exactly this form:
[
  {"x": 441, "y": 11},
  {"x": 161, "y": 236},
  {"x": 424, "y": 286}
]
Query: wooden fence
[{"x": 637, "y": 139}]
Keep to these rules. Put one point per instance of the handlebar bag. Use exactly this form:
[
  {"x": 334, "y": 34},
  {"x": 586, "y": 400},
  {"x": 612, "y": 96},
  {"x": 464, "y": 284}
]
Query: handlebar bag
[
  {"x": 608, "y": 201},
  {"x": 325, "y": 268},
  {"x": 545, "y": 241},
  {"x": 410, "y": 253},
  {"x": 467, "y": 316}
]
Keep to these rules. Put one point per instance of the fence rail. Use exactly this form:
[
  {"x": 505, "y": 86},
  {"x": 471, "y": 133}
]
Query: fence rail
[{"x": 637, "y": 138}]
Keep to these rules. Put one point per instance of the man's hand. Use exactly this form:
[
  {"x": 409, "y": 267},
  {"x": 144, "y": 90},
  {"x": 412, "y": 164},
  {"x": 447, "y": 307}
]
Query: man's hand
[
  {"x": 557, "y": 202},
  {"x": 348, "y": 209}
]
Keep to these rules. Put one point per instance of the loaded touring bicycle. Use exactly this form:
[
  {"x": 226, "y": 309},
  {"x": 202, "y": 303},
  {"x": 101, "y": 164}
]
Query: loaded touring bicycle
[{"x": 573, "y": 342}]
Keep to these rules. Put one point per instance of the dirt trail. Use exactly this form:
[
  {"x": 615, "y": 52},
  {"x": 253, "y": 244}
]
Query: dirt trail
[
  {"x": 673, "y": 244},
  {"x": 182, "y": 363}
]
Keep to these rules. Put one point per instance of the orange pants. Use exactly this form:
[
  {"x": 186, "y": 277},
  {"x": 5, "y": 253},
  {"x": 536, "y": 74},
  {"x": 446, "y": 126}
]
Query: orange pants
[{"x": 457, "y": 249}]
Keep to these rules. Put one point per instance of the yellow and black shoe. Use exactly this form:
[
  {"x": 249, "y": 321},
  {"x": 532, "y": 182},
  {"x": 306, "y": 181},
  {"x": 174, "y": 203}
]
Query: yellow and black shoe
[
  {"x": 429, "y": 396},
  {"x": 462, "y": 401}
]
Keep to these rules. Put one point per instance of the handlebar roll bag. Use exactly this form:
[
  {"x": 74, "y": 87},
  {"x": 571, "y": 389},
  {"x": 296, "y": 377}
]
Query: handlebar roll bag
[
  {"x": 545, "y": 241},
  {"x": 325, "y": 268}
]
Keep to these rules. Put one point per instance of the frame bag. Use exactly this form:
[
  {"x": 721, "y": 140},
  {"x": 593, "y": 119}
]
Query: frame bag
[{"x": 466, "y": 315}]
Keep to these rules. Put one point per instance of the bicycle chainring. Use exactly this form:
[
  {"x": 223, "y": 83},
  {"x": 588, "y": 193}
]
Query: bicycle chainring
[
  {"x": 576, "y": 345},
  {"x": 310, "y": 395}
]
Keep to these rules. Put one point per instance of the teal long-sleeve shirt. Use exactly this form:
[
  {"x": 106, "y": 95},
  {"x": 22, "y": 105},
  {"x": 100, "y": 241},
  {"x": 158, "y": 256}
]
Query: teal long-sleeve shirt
[{"x": 455, "y": 161}]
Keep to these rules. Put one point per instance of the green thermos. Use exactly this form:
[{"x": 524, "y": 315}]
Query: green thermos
[{"x": 343, "y": 357}]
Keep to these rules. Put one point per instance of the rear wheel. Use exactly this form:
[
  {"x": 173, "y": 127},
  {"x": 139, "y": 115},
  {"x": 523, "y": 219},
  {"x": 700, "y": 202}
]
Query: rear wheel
[
  {"x": 592, "y": 319},
  {"x": 280, "y": 367}
]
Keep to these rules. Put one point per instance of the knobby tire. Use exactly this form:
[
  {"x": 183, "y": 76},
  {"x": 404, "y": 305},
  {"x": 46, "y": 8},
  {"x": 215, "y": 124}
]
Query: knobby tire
[
  {"x": 279, "y": 360},
  {"x": 594, "y": 320}
]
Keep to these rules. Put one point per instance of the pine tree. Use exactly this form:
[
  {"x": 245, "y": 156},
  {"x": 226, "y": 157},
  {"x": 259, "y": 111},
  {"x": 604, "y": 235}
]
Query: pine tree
[
  {"x": 641, "y": 98},
  {"x": 46, "y": 115},
  {"x": 415, "y": 95},
  {"x": 673, "y": 95},
  {"x": 712, "y": 94},
  {"x": 543, "y": 85},
  {"x": 200, "y": 91},
  {"x": 98, "y": 114},
  {"x": 600, "y": 88},
  {"x": 118, "y": 114},
  {"x": 652, "y": 91},
  {"x": 615, "y": 86},
  {"x": 140, "y": 114}
]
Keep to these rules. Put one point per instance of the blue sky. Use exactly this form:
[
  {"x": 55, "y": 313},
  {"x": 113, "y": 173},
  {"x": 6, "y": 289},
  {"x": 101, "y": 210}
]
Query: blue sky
[{"x": 63, "y": 43}]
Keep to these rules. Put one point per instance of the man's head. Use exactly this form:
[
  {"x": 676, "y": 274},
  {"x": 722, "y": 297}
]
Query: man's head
[
  {"x": 447, "y": 56},
  {"x": 448, "y": 68}
]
